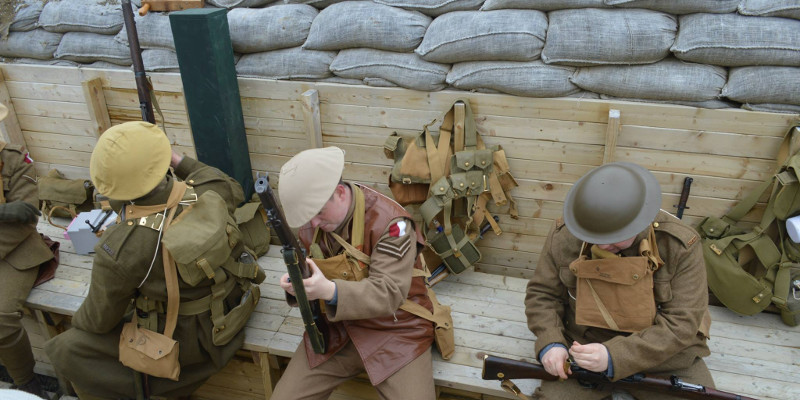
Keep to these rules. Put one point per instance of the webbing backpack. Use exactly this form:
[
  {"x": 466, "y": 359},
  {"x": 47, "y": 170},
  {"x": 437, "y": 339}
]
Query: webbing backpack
[
  {"x": 749, "y": 269},
  {"x": 456, "y": 175}
]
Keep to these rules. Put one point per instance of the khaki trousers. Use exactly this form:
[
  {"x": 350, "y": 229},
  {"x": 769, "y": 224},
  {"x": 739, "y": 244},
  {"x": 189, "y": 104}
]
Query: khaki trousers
[
  {"x": 15, "y": 348},
  {"x": 570, "y": 389},
  {"x": 300, "y": 382}
]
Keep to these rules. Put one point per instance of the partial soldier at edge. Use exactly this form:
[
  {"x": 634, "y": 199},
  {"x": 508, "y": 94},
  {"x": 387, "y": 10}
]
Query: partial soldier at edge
[{"x": 22, "y": 251}]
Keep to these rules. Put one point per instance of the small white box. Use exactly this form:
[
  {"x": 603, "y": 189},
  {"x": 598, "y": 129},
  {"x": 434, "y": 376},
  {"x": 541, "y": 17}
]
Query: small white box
[{"x": 80, "y": 232}]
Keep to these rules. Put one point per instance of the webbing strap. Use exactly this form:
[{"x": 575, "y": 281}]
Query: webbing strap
[
  {"x": 171, "y": 278},
  {"x": 603, "y": 310}
]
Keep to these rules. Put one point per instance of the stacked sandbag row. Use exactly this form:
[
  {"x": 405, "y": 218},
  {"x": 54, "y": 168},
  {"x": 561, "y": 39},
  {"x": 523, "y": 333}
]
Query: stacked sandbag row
[
  {"x": 74, "y": 30},
  {"x": 706, "y": 53}
]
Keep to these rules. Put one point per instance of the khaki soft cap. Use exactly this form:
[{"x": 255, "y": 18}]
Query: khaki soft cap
[
  {"x": 307, "y": 181},
  {"x": 129, "y": 160}
]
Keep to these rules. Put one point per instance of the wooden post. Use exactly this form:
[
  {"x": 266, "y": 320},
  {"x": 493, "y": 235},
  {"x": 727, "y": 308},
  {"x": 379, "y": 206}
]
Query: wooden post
[
  {"x": 459, "y": 114},
  {"x": 612, "y": 133},
  {"x": 96, "y": 102},
  {"x": 12, "y": 133},
  {"x": 311, "y": 118}
]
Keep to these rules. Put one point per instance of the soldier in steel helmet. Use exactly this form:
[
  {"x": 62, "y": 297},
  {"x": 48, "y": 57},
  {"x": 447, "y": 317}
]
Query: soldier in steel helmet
[
  {"x": 620, "y": 288},
  {"x": 364, "y": 252},
  {"x": 130, "y": 166},
  {"x": 22, "y": 250}
]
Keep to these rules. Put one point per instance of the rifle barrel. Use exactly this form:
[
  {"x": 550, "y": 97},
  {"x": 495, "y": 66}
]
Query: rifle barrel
[{"x": 142, "y": 85}]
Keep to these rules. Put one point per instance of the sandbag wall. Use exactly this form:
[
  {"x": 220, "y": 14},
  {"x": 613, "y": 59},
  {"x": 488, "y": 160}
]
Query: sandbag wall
[{"x": 703, "y": 53}]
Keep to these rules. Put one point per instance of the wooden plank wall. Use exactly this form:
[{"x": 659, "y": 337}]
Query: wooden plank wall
[{"x": 550, "y": 143}]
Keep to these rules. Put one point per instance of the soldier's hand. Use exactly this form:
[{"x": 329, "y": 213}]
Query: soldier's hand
[
  {"x": 554, "y": 361},
  {"x": 592, "y": 356},
  {"x": 317, "y": 285},
  {"x": 19, "y": 211}
]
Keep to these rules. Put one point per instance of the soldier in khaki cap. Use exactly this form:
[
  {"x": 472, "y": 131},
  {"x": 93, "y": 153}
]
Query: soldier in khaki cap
[
  {"x": 363, "y": 249},
  {"x": 620, "y": 287},
  {"x": 130, "y": 166},
  {"x": 22, "y": 250}
]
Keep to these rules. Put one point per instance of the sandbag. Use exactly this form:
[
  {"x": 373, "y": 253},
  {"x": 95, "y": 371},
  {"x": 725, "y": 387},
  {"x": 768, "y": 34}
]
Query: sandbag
[
  {"x": 238, "y": 3},
  {"x": 38, "y": 43},
  {"x": 710, "y": 104},
  {"x": 433, "y": 8},
  {"x": 502, "y": 35},
  {"x": 278, "y": 27},
  {"x": 734, "y": 40},
  {"x": 542, "y": 5},
  {"x": 404, "y": 69},
  {"x": 771, "y": 8},
  {"x": 26, "y": 15},
  {"x": 594, "y": 36},
  {"x": 669, "y": 79},
  {"x": 533, "y": 78},
  {"x": 82, "y": 16},
  {"x": 160, "y": 60},
  {"x": 763, "y": 85},
  {"x": 774, "y": 108},
  {"x": 87, "y": 47},
  {"x": 319, "y": 4},
  {"x": 291, "y": 63},
  {"x": 153, "y": 30},
  {"x": 679, "y": 6},
  {"x": 365, "y": 24}
]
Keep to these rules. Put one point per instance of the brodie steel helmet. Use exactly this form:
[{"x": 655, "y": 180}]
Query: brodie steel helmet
[
  {"x": 129, "y": 160},
  {"x": 612, "y": 203},
  {"x": 307, "y": 181}
]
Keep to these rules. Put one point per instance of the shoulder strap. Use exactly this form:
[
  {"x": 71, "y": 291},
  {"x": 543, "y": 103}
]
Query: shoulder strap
[{"x": 171, "y": 277}]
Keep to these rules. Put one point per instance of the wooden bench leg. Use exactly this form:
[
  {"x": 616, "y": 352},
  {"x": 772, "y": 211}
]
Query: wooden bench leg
[{"x": 270, "y": 370}]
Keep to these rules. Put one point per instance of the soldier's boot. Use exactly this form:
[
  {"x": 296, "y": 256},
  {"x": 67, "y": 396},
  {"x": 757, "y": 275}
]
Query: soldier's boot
[{"x": 34, "y": 387}]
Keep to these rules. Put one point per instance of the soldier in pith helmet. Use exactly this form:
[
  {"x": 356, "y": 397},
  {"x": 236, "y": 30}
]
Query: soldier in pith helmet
[
  {"x": 364, "y": 254},
  {"x": 130, "y": 165},
  {"x": 620, "y": 287},
  {"x": 22, "y": 251}
]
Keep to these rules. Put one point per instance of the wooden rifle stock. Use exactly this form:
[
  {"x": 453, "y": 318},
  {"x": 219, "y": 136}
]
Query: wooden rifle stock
[
  {"x": 143, "y": 87},
  {"x": 505, "y": 368},
  {"x": 294, "y": 257}
]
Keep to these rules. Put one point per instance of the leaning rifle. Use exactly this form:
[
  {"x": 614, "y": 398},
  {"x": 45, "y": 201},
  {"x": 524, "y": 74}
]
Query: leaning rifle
[
  {"x": 143, "y": 86},
  {"x": 504, "y": 369},
  {"x": 294, "y": 257}
]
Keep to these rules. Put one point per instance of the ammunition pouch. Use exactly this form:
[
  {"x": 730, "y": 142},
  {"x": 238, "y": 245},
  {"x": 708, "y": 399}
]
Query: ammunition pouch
[
  {"x": 62, "y": 197},
  {"x": 252, "y": 222},
  {"x": 461, "y": 174}
]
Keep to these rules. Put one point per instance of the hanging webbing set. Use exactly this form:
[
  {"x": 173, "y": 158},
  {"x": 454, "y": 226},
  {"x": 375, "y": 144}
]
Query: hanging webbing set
[{"x": 453, "y": 175}]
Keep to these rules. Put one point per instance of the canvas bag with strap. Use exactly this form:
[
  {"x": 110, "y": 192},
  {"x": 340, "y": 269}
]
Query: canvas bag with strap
[
  {"x": 751, "y": 269},
  {"x": 62, "y": 197},
  {"x": 252, "y": 221},
  {"x": 616, "y": 292},
  {"x": 462, "y": 176},
  {"x": 201, "y": 241},
  {"x": 353, "y": 265}
]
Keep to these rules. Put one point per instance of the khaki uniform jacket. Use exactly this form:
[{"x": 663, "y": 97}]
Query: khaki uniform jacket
[
  {"x": 386, "y": 337},
  {"x": 20, "y": 245},
  {"x": 681, "y": 296},
  {"x": 121, "y": 262}
]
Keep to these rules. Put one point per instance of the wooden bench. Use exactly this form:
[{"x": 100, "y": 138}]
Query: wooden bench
[{"x": 755, "y": 356}]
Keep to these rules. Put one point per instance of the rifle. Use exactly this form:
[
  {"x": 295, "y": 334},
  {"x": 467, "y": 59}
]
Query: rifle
[
  {"x": 314, "y": 321},
  {"x": 143, "y": 86},
  {"x": 687, "y": 184},
  {"x": 504, "y": 369}
]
